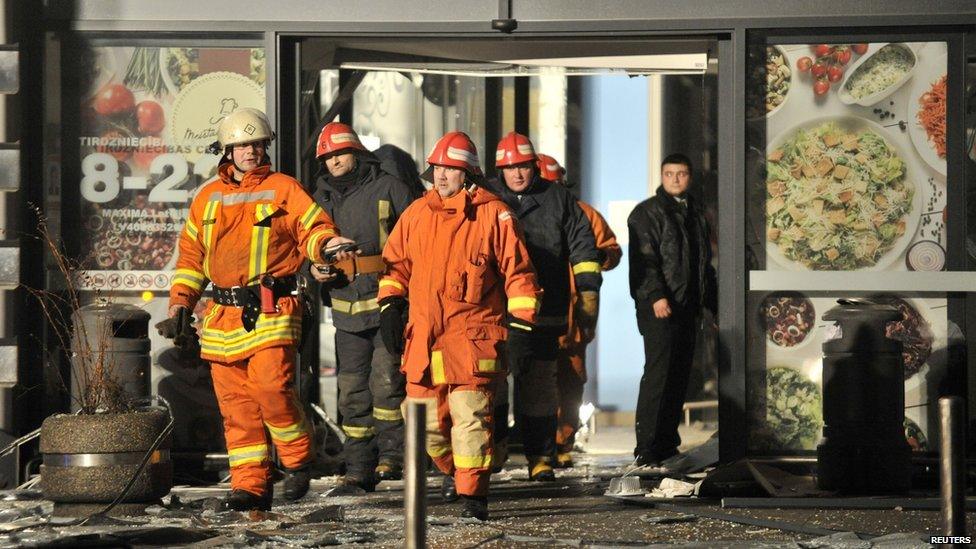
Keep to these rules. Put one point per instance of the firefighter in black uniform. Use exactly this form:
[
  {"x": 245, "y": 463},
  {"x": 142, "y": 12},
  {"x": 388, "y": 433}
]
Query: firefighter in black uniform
[
  {"x": 365, "y": 202},
  {"x": 556, "y": 233}
]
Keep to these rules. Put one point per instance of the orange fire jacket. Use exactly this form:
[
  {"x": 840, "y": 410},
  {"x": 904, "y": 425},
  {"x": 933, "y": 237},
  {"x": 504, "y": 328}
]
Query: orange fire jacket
[
  {"x": 462, "y": 263},
  {"x": 606, "y": 241},
  {"x": 236, "y": 233}
]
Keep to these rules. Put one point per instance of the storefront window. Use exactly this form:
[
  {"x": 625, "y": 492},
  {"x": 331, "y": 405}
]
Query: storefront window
[
  {"x": 852, "y": 172},
  {"x": 847, "y": 182},
  {"x": 786, "y": 333},
  {"x": 147, "y": 116}
]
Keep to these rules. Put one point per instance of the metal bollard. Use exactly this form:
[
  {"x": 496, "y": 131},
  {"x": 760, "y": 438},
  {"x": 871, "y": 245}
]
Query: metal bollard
[
  {"x": 415, "y": 476},
  {"x": 953, "y": 470}
]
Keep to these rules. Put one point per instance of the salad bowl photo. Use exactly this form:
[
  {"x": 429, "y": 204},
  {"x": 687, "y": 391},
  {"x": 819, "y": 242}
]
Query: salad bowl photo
[
  {"x": 839, "y": 197},
  {"x": 875, "y": 76}
]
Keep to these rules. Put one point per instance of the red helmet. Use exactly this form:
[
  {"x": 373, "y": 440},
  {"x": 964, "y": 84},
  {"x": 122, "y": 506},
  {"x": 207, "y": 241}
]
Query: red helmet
[
  {"x": 549, "y": 169},
  {"x": 337, "y": 137},
  {"x": 456, "y": 150},
  {"x": 514, "y": 148}
]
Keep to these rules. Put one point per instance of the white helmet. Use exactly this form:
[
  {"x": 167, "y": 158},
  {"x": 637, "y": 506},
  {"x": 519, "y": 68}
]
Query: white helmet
[{"x": 242, "y": 126}]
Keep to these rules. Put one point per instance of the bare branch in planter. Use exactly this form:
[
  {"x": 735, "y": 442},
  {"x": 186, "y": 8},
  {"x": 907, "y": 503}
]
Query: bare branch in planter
[{"x": 92, "y": 368}]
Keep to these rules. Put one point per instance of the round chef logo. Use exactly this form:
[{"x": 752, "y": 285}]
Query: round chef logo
[{"x": 204, "y": 103}]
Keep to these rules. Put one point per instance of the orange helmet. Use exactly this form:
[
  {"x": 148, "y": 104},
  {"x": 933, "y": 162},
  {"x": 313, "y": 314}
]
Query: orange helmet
[
  {"x": 456, "y": 150},
  {"x": 337, "y": 137},
  {"x": 513, "y": 149},
  {"x": 549, "y": 169}
]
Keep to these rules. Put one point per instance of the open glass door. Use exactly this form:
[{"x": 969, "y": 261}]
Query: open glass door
[{"x": 607, "y": 110}]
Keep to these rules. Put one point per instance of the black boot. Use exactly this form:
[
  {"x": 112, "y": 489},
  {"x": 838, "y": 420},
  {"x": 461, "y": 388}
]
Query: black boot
[
  {"x": 242, "y": 500},
  {"x": 388, "y": 470},
  {"x": 540, "y": 469},
  {"x": 475, "y": 507},
  {"x": 448, "y": 489},
  {"x": 296, "y": 482}
]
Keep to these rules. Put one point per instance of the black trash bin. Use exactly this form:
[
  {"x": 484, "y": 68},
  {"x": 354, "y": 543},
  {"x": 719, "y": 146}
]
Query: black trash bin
[
  {"x": 864, "y": 450},
  {"x": 117, "y": 335}
]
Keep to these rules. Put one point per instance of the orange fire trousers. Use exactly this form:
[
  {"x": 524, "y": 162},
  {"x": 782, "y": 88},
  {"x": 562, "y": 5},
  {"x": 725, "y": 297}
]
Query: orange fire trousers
[
  {"x": 257, "y": 393},
  {"x": 569, "y": 365},
  {"x": 459, "y": 431}
]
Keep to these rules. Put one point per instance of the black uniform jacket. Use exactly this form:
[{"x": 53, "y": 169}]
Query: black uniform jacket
[
  {"x": 558, "y": 236},
  {"x": 365, "y": 212}
]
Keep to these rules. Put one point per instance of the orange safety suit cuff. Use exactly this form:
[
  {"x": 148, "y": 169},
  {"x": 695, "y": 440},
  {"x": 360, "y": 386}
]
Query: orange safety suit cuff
[
  {"x": 182, "y": 295},
  {"x": 389, "y": 287}
]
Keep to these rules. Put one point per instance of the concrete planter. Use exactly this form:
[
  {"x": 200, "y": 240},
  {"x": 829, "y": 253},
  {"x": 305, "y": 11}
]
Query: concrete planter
[{"x": 90, "y": 458}]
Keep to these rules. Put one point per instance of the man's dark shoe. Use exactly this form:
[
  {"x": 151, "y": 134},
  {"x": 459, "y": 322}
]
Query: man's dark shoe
[
  {"x": 388, "y": 470},
  {"x": 242, "y": 500},
  {"x": 475, "y": 507},
  {"x": 351, "y": 485},
  {"x": 367, "y": 484},
  {"x": 646, "y": 460},
  {"x": 448, "y": 489},
  {"x": 296, "y": 482}
]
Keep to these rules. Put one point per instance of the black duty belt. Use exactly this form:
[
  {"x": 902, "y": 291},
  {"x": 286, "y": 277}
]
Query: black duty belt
[{"x": 248, "y": 298}]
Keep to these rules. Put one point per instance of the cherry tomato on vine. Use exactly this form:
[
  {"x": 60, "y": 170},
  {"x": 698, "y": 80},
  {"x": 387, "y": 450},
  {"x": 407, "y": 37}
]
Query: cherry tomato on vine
[
  {"x": 822, "y": 50},
  {"x": 804, "y": 63},
  {"x": 835, "y": 73},
  {"x": 860, "y": 49},
  {"x": 150, "y": 117},
  {"x": 114, "y": 99},
  {"x": 821, "y": 87},
  {"x": 843, "y": 56}
]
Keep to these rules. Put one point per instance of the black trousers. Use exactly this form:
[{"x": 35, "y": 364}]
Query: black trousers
[
  {"x": 371, "y": 388},
  {"x": 669, "y": 347}
]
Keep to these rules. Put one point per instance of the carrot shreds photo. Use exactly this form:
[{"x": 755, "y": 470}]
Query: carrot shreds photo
[{"x": 932, "y": 115}]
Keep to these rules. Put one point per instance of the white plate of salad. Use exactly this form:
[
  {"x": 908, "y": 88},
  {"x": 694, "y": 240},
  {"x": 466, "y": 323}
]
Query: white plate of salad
[{"x": 839, "y": 197}]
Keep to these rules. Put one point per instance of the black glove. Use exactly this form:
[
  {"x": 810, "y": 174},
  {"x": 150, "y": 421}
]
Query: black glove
[
  {"x": 180, "y": 329},
  {"x": 520, "y": 346},
  {"x": 517, "y": 325},
  {"x": 393, "y": 321}
]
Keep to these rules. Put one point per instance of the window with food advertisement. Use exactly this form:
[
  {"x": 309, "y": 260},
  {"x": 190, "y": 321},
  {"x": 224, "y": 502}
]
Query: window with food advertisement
[
  {"x": 147, "y": 117},
  {"x": 785, "y": 377},
  {"x": 853, "y": 169},
  {"x": 847, "y": 193}
]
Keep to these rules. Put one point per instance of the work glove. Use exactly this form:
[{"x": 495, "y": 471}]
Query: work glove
[
  {"x": 514, "y": 323},
  {"x": 519, "y": 345},
  {"x": 393, "y": 322},
  {"x": 179, "y": 328},
  {"x": 587, "y": 312}
]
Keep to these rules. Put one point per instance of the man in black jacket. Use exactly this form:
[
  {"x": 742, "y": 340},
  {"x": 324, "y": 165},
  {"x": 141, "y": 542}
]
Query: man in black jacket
[
  {"x": 556, "y": 233},
  {"x": 364, "y": 201},
  {"x": 671, "y": 279}
]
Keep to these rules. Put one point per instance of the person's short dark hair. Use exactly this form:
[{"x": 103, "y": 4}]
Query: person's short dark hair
[{"x": 676, "y": 158}]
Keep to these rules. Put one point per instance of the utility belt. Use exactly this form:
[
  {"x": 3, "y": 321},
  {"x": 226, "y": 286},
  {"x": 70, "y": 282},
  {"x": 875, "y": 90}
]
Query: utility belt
[
  {"x": 256, "y": 298},
  {"x": 358, "y": 265}
]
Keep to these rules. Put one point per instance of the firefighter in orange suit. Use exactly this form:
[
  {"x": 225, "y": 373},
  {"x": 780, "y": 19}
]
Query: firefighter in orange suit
[
  {"x": 570, "y": 362},
  {"x": 248, "y": 233},
  {"x": 458, "y": 257}
]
